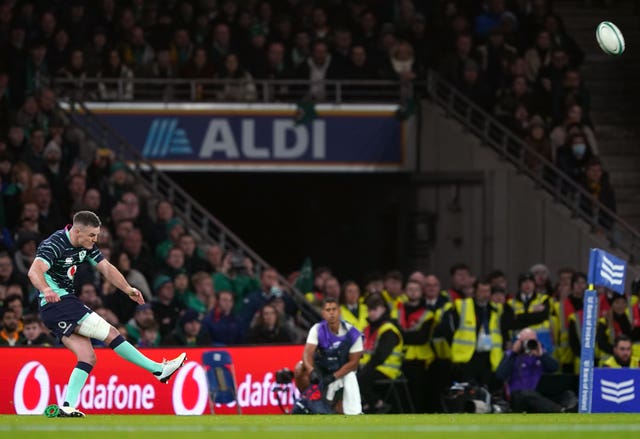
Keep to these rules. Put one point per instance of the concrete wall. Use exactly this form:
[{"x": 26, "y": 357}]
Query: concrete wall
[{"x": 502, "y": 221}]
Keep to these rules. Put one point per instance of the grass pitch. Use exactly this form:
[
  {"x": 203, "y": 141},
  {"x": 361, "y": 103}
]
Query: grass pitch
[{"x": 501, "y": 426}]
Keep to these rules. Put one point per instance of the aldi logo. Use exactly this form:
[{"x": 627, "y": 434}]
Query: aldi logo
[
  {"x": 617, "y": 392},
  {"x": 165, "y": 138}
]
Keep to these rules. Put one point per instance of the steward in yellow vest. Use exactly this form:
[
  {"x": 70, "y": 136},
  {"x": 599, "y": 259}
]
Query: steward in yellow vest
[
  {"x": 382, "y": 355},
  {"x": 562, "y": 311},
  {"x": 476, "y": 337},
  {"x": 437, "y": 301},
  {"x": 352, "y": 308},
  {"x": 619, "y": 319},
  {"x": 416, "y": 323},
  {"x": 621, "y": 355},
  {"x": 532, "y": 310},
  {"x": 393, "y": 293},
  {"x": 460, "y": 282},
  {"x": 355, "y": 315},
  {"x": 438, "y": 374}
]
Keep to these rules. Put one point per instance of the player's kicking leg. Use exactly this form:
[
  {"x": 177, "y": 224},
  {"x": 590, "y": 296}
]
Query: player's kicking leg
[
  {"x": 169, "y": 367},
  {"x": 96, "y": 327}
]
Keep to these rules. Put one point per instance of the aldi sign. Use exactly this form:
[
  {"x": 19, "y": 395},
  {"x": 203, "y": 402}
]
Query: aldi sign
[{"x": 263, "y": 137}]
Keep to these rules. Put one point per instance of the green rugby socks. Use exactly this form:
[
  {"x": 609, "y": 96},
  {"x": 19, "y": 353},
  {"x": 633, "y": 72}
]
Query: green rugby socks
[
  {"x": 76, "y": 381},
  {"x": 127, "y": 351}
]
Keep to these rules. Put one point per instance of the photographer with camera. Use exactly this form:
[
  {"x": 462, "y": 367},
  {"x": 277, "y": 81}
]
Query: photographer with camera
[
  {"x": 522, "y": 368},
  {"x": 331, "y": 357}
]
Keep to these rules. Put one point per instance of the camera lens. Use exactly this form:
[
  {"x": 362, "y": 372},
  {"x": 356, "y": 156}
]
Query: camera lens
[
  {"x": 531, "y": 345},
  {"x": 284, "y": 376}
]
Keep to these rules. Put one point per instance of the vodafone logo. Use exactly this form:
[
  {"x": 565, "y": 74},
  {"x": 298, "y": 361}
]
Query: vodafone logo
[
  {"x": 32, "y": 381},
  {"x": 71, "y": 272},
  {"x": 189, "y": 380}
]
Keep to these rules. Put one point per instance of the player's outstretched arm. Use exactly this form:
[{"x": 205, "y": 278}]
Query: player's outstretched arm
[
  {"x": 113, "y": 275},
  {"x": 36, "y": 276}
]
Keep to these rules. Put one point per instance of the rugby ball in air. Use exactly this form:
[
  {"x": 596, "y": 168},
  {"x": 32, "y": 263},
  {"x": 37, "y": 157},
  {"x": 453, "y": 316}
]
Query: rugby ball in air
[{"x": 610, "y": 38}]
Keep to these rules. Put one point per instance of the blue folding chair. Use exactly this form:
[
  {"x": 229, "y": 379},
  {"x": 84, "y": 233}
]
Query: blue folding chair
[{"x": 222, "y": 379}]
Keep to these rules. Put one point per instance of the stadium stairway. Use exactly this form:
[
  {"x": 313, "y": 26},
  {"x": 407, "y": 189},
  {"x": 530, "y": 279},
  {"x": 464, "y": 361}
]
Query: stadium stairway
[{"x": 615, "y": 94}]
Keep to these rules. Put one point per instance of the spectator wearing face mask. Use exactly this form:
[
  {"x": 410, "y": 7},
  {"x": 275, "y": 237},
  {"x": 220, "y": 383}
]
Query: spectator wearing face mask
[
  {"x": 573, "y": 156},
  {"x": 573, "y": 122}
]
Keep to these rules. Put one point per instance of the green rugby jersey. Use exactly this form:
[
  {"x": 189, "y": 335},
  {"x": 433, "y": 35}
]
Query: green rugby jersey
[{"x": 63, "y": 259}]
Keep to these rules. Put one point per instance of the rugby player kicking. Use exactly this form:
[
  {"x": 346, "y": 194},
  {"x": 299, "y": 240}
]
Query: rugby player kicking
[{"x": 73, "y": 323}]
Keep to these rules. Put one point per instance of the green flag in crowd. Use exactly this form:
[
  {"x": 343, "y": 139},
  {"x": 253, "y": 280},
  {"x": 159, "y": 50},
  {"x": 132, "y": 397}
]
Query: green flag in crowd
[
  {"x": 406, "y": 109},
  {"x": 305, "y": 112},
  {"x": 304, "y": 282}
]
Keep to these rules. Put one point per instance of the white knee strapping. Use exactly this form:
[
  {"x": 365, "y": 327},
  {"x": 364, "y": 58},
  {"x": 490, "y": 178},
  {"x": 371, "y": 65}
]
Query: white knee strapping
[
  {"x": 351, "y": 404},
  {"x": 94, "y": 326}
]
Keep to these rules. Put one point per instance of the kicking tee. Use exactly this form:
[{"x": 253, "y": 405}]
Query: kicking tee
[{"x": 63, "y": 260}]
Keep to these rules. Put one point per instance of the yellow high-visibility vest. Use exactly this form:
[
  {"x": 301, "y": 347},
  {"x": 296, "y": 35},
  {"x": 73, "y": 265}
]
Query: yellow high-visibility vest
[
  {"x": 440, "y": 345},
  {"x": 465, "y": 337},
  {"x": 359, "y": 322},
  {"x": 391, "y": 366},
  {"x": 560, "y": 328},
  {"x": 393, "y": 303},
  {"x": 610, "y": 361},
  {"x": 539, "y": 299},
  {"x": 422, "y": 351}
]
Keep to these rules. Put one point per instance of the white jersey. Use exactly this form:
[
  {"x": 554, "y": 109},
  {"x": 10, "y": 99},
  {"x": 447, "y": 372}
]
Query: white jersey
[{"x": 312, "y": 337}]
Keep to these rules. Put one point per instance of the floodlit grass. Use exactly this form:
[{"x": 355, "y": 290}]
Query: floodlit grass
[{"x": 308, "y": 427}]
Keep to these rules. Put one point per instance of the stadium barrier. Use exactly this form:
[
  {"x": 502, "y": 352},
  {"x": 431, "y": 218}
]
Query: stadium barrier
[
  {"x": 37, "y": 377},
  {"x": 616, "y": 391}
]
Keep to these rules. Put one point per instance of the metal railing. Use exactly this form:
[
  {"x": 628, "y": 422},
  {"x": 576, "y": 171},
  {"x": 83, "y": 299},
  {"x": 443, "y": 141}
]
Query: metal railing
[
  {"x": 157, "y": 184},
  {"x": 232, "y": 90},
  {"x": 546, "y": 175}
]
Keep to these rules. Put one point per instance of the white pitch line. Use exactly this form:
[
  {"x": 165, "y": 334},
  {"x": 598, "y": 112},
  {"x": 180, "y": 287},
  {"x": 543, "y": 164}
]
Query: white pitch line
[{"x": 516, "y": 428}]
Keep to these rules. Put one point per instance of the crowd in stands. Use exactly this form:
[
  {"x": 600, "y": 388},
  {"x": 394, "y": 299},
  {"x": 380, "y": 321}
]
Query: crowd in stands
[
  {"x": 196, "y": 295},
  {"x": 513, "y": 58}
]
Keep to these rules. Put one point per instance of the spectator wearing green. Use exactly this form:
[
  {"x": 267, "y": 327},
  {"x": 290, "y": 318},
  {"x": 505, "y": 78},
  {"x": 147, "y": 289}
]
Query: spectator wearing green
[
  {"x": 202, "y": 298},
  {"x": 175, "y": 229},
  {"x": 182, "y": 287},
  {"x": 236, "y": 275}
]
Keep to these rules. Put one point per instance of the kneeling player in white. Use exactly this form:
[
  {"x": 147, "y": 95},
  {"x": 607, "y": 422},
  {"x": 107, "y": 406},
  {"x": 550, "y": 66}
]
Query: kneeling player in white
[{"x": 331, "y": 356}]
